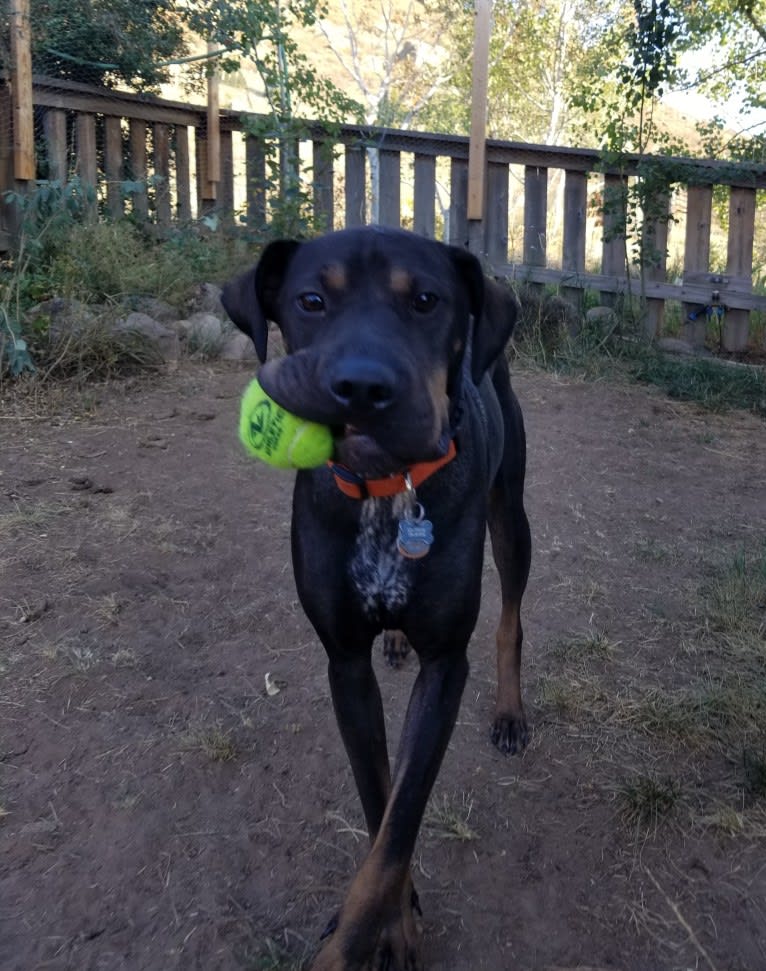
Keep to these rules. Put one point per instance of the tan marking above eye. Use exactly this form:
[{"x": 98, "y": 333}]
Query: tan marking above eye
[
  {"x": 401, "y": 281},
  {"x": 334, "y": 276}
]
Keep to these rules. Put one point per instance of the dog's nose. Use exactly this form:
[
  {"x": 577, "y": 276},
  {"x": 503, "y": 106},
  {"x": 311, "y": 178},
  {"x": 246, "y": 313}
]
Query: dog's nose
[{"x": 361, "y": 385}]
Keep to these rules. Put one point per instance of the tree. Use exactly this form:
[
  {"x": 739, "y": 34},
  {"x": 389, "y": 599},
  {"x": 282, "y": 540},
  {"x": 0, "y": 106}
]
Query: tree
[
  {"x": 539, "y": 50},
  {"x": 729, "y": 39},
  {"x": 389, "y": 52},
  {"x": 263, "y": 33},
  {"x": 107, "y": 42}
]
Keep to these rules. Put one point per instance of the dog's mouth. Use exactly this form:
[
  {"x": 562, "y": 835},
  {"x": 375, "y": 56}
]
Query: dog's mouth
[
  {"x": 372, "y": 446},
  {"x": 363, "y": 454}
]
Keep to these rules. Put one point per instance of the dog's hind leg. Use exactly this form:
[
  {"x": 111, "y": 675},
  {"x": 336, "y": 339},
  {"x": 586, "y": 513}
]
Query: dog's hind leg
[
  {"x": 396, "y": 647},
  {"x": 511, "y": 547}
]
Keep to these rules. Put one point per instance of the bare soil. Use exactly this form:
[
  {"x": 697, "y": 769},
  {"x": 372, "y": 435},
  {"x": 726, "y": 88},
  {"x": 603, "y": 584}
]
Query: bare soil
[{"x": 161, "y": 809}]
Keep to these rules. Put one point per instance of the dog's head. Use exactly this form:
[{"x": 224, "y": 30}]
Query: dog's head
[{"x": 377, "y": 324}]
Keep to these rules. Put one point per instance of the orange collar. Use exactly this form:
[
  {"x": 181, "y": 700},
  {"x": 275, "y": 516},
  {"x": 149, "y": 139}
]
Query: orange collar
[{"x": 357, "y": 487}]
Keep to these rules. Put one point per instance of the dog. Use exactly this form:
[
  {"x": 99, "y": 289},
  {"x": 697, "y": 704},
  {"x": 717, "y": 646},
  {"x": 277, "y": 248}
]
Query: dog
[{"x": 397, "y": 343}]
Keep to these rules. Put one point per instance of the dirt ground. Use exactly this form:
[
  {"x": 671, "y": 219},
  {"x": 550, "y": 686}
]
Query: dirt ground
[{"x": 161, "y": 809}]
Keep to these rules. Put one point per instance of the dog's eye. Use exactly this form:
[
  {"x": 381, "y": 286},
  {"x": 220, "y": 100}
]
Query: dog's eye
[
  {"x": 312, "y": 303},
  {"x": 424, "y": 302}
]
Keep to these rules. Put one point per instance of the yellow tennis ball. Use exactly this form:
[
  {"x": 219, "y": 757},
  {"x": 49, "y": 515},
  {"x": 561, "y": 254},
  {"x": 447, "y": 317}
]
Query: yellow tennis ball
[{"x": 277, "y": 436}]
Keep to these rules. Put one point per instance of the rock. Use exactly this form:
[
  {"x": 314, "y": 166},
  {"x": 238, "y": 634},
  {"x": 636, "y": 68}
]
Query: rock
[
  {"x": 238, "y": 347},
  {"x": 164, "y": 338},
  {"x": 203, "y": 331},
  {"x": 601, "y": 316},
  {"x": 160, "y": 310},
  {"x": 66, "y": 317},
  {"x": 206, "y": 299},
  {"x": 674, "y": 345}
]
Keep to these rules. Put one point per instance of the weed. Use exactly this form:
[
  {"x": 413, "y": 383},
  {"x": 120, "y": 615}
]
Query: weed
[
  {"x": 653, "y": 551},
  {"x": 447, "y": 818},
  {"x": 215, "y": 743},
  {"x": 721, "y": 711},
  {"x": 94, "y": 351},
  {"x": 30, "y": 517},
  {"x": 726, "y": 821},
  {"x": 735, "y": 598},
  {"x": 124, "y": 657},
  {"x": 272, "y": 957},
  {"x": 714, "y": 385},
  {"x": 63, "y": 254},
  {"x": 574, "y": 697},
  {"x": 80, "y": 656},
  {"x": 646, "y": 800},
  {"x": 590, "y": 644},
  {"x": 610, "y": 348}
]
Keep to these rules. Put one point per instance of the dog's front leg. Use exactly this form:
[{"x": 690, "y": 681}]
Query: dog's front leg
[
  {"x": 359, "y": 712},
  {"x": 375, "y": 921}
]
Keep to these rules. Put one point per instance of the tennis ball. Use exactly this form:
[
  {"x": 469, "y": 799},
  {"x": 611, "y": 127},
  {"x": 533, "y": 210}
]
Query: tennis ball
[{"x": 278, "y": 437}]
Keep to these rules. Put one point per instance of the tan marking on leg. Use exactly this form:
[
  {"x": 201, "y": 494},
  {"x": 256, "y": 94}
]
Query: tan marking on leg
[{"x": 509, "y": 663}]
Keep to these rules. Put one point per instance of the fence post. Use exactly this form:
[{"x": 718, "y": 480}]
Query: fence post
[
  {"x": 113, "y": 165},
  {"x": 324, "y": 197},
  {"x": 183, "y": 173},
  {"x": 356, "y": 204},
  {"x": 458, "y": 202},
  {"x": 9, "y": 213},
  {"x": 699, "y": 207},
  {"x": 535, "y": 215},
  {"x": 21, "y": 85},
  {"x": 161, "y": 141},
  {"x": 573, "y": 243},
  {"x": 87, "y": 162},
  {"x": 425, "y": 195},
  {"x": 739, "y": 263},
  {"x": 255, "y": 175},
  {"x": 390, "y": 188},
  {"x": 137, "y": 139},
  {"x": 54, "y": 134},
  {"x": 17, "y": 154},
  {"x": 212, "y": 143},
  {"x": 654, "y": 259},
  {"x": 226, "y": 175},
  {"x": 614, "y": 211},
  {"x": 496, "y": 214}
]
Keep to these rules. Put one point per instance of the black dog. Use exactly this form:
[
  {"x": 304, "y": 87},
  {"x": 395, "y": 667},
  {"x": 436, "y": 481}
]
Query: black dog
[{"x": 397, "y": 343}]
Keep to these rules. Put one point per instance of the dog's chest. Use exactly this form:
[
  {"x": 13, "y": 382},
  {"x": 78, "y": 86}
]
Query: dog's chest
[{"x": 381, "y": 576}]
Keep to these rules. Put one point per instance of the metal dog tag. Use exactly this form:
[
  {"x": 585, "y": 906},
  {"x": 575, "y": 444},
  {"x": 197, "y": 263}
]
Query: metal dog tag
[{"x": 416, "y": 534}]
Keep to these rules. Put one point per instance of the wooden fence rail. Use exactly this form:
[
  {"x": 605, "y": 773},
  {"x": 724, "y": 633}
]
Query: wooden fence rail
[{"x": 152, "y": 158}]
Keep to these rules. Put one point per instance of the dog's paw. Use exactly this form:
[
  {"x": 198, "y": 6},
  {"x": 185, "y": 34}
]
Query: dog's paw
[
  {"x": 510, "y": 734},
  {"x": 399, "y": 944},
  {"x": 396, "y": 647}
]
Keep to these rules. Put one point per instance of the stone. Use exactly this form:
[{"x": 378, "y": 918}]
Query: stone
[{"x": 238, "y": 347}]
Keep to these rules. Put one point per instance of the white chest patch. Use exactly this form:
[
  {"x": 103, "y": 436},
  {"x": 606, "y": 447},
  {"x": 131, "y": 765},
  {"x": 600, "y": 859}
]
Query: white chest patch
[{"x": 380, "y": 574}]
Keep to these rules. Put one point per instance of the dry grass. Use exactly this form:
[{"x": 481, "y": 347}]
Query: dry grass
[
  {"x": 645, "y": 800},
  {"x": 447, "y": 817},
  {"x": 213, "y": 741}
]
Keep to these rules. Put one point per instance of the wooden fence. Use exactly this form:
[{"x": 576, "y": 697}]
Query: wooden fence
[{"x": 181, "y": 161}]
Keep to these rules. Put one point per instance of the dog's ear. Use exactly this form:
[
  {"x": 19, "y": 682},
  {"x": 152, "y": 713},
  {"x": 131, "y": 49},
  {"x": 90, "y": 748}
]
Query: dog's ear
[
  {"x": 494, "y": 308},
  {"x": 251, "y": 299},
  {"x": 493, "y": 327}
]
